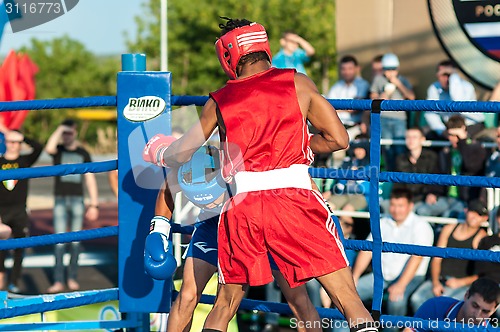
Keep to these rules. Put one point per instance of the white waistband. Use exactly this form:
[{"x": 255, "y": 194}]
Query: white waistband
[{"x": 295, "y": 176}]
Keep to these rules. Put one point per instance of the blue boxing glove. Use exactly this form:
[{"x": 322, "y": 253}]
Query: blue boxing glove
[{"x": 159, "y": 261}]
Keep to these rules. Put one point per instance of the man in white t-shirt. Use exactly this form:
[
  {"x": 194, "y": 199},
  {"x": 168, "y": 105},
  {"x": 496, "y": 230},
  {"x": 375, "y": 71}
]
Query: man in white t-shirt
[
  {"x": 350, "y": 86},
  {"x": 402, "y": 273}
]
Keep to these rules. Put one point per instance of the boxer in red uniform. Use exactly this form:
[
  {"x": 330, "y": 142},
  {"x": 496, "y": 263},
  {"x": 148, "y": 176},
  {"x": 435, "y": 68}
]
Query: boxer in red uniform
[{"x": 262, "y": 115}]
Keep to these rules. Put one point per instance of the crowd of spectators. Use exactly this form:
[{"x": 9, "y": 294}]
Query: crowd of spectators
[
  {"x": 460, "y": 150},
  {"x": 434, "y": 143},
  {"x": 69, "y": 208},
  {"x": 409, "y": 280},
  {"x": 460, "y": 137}
]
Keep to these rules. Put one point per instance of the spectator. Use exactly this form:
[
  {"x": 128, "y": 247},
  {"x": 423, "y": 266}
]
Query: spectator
[
  {"x": 450, "y": 86},
  {"x": 490, "y": 270},
  {"x": 351, "y": 195},
  {"x": 451, "y": 276},
  {"x": 463, "y": 157},
  {"x": 376, "y": 66},
  {"x": 376, "y": 70},
  {"x": 13, "y": 195},
  {"x": 402, "y": 273},
  {"x": 322, "y": 160},
  {"x": 393, "y": 86},
  {"x": 350, "y": 86},
  {"x": 428, "y": 199},
  {"x": 493, "y": 162},
  {"x": 478, "y": 304},
  {"x": 294, "y": 52},
  {"x": 69, "y": 204}
]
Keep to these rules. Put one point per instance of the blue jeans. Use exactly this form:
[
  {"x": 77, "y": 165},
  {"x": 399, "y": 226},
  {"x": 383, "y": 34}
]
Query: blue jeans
[
  {"x": 273, "y": 294},
  {"x": 67, "y": 209},
  {"x": 396, "y": 308},
  {"x": 424, "y": 292},
  {"x": 313, "y": 288}
]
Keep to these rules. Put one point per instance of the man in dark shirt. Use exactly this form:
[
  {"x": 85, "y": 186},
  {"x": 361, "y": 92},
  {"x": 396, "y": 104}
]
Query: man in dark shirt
[
  {"x": 472, "y": 313},
  {"x": 13, "y": 195},
  {"x": 69, "y": 205},
  {"x": 463, "y": 157},
  {"x": 427, "y": 198}
]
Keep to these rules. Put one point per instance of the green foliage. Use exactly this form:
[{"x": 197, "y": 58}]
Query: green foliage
[
  {"x": 193, "y": 29},
  {"x": 67, "y": 70}
]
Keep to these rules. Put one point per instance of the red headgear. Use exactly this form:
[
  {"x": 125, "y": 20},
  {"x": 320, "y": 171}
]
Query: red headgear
[{"x": 239, "y": 42}]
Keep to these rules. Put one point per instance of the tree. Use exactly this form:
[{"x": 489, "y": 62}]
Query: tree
[
  {"x": 193, "y": 29},
  {"x": 66, "y": 70}
]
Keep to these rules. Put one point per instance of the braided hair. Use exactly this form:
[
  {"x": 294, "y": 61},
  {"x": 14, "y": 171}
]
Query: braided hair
[
  {"x": 251, "y": 58},
  {"x": 232, "y": 24}
]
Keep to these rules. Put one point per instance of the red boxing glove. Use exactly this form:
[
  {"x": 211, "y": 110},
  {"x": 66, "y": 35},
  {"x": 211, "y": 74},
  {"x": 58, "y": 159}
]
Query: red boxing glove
[{"x": 155, "y": 149}]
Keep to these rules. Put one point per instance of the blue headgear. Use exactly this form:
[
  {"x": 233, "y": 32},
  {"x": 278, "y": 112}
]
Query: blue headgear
[{"x": 197, "y": 179}]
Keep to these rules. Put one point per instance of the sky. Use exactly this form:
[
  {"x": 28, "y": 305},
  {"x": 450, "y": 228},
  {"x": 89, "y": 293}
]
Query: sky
[{"x": 98, "y": 24}]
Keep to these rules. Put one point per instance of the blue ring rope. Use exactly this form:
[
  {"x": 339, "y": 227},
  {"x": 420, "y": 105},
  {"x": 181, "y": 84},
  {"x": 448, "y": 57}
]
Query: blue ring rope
[
  {"x": 89, "y": 234},
  {"x": 386, "y": 105},
  {"x": 58, "y": 170},
  {"x": 330, "y": 173},
  {"x": 412, "y": 249},
  {"x": 43, "y": 240},
  {"x": 341, "y": 104},
  {"x": 61, "y": 301},
  {"x": 374, "y": 176},
  {"x": 402, "y": 177},
  {"x": 470, "y": 254},
  {"x": 40, "y": 104}
]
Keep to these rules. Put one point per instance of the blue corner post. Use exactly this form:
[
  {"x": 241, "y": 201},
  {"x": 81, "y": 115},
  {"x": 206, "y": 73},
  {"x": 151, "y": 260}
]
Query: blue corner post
[
  {"x": 374, "y": 207},
  {"x": 144, "y": 109}
]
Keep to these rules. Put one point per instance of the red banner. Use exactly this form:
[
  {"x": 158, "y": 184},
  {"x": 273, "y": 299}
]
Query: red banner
[{"x": 17, "y": 82}]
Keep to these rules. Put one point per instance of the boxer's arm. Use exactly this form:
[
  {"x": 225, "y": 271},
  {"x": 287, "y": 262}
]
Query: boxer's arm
[
  {"x": 322, "y": 115},
  {"x": 181, "y": 150},
  {"x": 159, "y": 262},
  {"x": 166, "y": 195}
]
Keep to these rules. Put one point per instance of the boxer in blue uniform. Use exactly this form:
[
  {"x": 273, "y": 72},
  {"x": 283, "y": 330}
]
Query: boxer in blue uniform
[
  {"x": 479, "y": 304},
  {"x": 200, "y": 181}
]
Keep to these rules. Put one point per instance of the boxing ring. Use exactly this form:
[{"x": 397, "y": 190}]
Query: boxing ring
[{"x": 144, "y": 105}]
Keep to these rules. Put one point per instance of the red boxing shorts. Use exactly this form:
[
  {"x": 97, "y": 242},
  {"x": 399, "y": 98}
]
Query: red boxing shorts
[{"x": 292, "y": 224}]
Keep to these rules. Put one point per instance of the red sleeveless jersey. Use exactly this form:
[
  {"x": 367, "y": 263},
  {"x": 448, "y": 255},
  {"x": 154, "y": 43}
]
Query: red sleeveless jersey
[{"x": 262, "y": 126}]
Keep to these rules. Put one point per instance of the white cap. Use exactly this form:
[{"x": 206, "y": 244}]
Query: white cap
[{"x": 390, "y": 60}]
